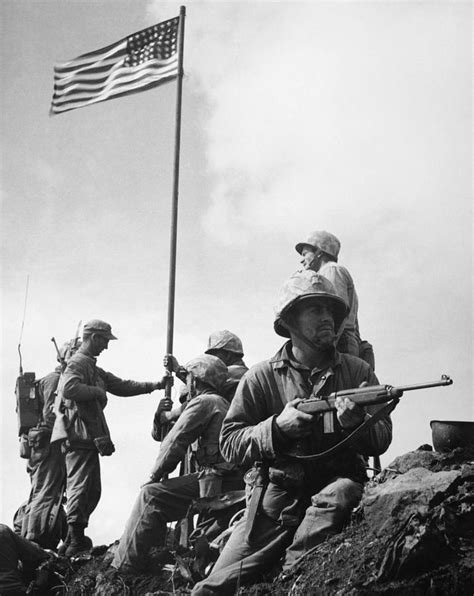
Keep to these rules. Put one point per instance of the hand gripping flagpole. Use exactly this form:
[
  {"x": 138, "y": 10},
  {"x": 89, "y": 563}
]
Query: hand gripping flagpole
[{"x": 174, "y": 209}]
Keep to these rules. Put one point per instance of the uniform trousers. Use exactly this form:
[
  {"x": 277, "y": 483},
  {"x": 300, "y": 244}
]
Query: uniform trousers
[
  {"x": 157, "y": 504},
  {"x": 284, "y": 528},
  {"x": 41, "y": 520},
  {"x": 14, "y": 548},
  {"x": 83, "y": 484}
]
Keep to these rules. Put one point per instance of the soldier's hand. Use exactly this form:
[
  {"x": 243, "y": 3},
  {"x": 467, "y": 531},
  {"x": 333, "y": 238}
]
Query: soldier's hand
[
  {"x": 349, "y": 414},
  {"x": 170, "y": 363},
  {"x": 293, "y": 422},
  {"x": 165, "y": 405},
  {"x": 161, "y": 384}
]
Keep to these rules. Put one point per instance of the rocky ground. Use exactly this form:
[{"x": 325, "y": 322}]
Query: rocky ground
[{"x": 412, "y": 535}]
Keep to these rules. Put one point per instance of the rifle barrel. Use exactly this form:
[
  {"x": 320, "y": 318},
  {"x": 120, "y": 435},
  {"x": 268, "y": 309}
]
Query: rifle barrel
[{"x": 445, "y": 380}]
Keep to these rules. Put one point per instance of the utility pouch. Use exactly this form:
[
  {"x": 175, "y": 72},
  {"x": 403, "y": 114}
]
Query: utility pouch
[
  {"x": 104, "y": 445},
  {"x": 287, "y": 475},
  {"x": 25, "y": 449},
  {"x": 210, "y": 483}
]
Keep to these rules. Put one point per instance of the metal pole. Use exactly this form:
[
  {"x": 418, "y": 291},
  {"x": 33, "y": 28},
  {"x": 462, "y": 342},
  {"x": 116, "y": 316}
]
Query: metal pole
[{"x": 174, "y": 209}]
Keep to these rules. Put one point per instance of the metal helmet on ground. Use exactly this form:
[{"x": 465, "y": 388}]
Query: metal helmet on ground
[
  {"x": 324, "y": 241},
  {"x": 208, "y": 369},
  {"x": 225, "y": 340},
  {"x": 305, "y": 285}
]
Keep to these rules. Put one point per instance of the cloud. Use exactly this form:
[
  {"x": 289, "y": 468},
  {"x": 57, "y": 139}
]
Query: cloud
[{"x": 318, "y": 110}]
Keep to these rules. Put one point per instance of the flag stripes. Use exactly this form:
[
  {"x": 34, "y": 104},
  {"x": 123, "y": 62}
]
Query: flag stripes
[{"x": 140, "y": 61}]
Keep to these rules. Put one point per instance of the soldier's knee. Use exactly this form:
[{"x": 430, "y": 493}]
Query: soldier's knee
[{"x": 343, "y": 494}]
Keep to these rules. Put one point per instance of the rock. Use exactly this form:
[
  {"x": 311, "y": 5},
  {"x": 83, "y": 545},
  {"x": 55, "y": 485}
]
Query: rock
[
  {"x": 413, "y": 459},
  {"x": 385, "y": 506}
]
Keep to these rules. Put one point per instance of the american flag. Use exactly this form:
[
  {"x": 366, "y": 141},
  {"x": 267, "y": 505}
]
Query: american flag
[{"x": 136, "y": 63}]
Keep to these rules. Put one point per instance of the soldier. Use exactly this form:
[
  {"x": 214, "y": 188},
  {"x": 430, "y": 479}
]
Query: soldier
[
  {"x": 81, "y": 422},
  {"x": 43, "y": 520},
  {"x": 225, "y": 345},
  {"x": 293, "y": 506},
  {"x": 165, "y": 500},
  {"x": 13, "y": 550},
  {"x": 320, "y": 253},
  {"x": 228, "y": 347}
]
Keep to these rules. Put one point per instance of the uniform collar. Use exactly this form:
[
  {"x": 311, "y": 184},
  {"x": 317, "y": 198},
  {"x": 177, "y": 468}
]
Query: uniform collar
[{"x": 284, "y": 358}]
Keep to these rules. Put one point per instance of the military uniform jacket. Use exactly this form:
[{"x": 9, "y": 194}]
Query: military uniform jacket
[
  {"x": 82, "y": 389},
  {"x": 249, "y": 432},
  {"x": 47, "y": 387},
  {"x": 200, "y": 421}
]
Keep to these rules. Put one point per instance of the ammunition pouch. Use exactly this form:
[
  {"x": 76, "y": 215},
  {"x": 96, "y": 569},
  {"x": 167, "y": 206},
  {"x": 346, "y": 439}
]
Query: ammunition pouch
[
  {"x": 38, "y": 439},
  {"x": 25, "y": 449},
  {"x": 288, "y": 475},
  {"x": 104, "y": 445}
]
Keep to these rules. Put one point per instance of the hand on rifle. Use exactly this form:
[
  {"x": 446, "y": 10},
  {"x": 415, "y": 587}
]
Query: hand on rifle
[
  {"x": 292, "y": 422},
  {"x": 349, "y": 414}
]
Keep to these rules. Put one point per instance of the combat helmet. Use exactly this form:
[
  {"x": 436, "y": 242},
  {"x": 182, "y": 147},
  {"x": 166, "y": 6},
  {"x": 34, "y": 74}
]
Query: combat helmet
[
  {"x": 69, "y": 348},
  {"x": 304, "y": 285},
  {"x": 225, "y": 340},
  {"x": 208, "y": 369},
  {"x": 321, "y": 240}
]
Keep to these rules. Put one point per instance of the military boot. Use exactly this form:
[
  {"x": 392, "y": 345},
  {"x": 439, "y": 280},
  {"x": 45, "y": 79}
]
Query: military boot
[{"x": 77, "y": 543}]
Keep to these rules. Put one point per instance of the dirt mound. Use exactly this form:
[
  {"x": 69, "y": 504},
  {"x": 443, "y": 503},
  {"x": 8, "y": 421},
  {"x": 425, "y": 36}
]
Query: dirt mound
[{"x": 413, "y": 534}]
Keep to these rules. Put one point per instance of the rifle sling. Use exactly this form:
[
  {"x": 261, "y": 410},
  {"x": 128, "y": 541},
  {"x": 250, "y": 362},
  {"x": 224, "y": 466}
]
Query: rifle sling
[{"x": 387, "y": 409}]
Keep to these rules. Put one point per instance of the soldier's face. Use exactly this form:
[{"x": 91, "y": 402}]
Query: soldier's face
[
  {"x": 315, "y": 320},
  {"x": 100, "y": 343},
  {"x": 308, "y": 259}
]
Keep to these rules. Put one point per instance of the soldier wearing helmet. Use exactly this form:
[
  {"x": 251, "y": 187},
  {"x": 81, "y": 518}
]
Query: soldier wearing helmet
[
  {"x": 225, "y": 345},
  {"x": 296, "y": 504},
  {"x": 43, "y": 515},
  {"x": 320, "y": 253},
  {"x": 228, "y": 347},
  {"x": 165, "y": 499},
  {"x": 81, "y": 424}
]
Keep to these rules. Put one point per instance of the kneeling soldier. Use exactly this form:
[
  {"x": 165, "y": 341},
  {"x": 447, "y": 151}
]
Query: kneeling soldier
[
  {"x": 294, "y": 503},
  {"x": 166, "y": 500}
]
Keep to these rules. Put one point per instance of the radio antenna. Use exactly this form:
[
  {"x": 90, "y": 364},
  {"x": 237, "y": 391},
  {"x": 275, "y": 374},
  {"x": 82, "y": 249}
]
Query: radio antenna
[{"x": 23, "y": 323}]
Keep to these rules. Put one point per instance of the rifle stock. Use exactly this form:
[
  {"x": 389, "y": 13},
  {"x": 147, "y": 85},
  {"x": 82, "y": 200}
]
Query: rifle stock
[{"x": 366, "y": 396}]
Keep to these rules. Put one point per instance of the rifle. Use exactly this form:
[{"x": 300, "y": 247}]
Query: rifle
[
  {"x": 366, "y": 396},
  {"x": 362, "y": 396},
  {"x": 61, "y": 359}
]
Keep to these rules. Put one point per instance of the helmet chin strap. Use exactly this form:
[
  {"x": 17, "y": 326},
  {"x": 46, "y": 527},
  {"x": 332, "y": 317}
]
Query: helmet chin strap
[{"x": 310, "y": 344}]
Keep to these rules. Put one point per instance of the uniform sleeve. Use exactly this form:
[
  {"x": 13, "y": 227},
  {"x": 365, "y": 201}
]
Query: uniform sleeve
[
  {"x": 175, "y": 413},
  {"x": 124, "y": 388},
  {"x": 189, "y": 427},
  {"x": 73, "y": 385},
  {"x": 246, "y": 434},
  {"x": 340, "y": 281},
  {"x": 47, "y": 390}
]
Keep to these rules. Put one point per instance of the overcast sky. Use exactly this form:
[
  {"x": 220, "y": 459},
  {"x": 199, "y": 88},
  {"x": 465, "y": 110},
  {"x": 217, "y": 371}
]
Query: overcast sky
[{"x": 350, "y": 117}]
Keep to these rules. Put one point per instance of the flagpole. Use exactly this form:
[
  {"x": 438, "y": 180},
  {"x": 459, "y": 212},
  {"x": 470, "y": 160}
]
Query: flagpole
[{"x": 174, "y": 209}]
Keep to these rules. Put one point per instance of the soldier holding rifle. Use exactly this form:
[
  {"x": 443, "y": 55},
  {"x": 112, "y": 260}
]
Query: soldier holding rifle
[{"x": 296, "y": 504}]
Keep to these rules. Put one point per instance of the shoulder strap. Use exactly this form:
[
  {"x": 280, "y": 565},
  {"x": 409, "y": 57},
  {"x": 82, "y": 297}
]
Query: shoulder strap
[{"x": 389, "y": 407}]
